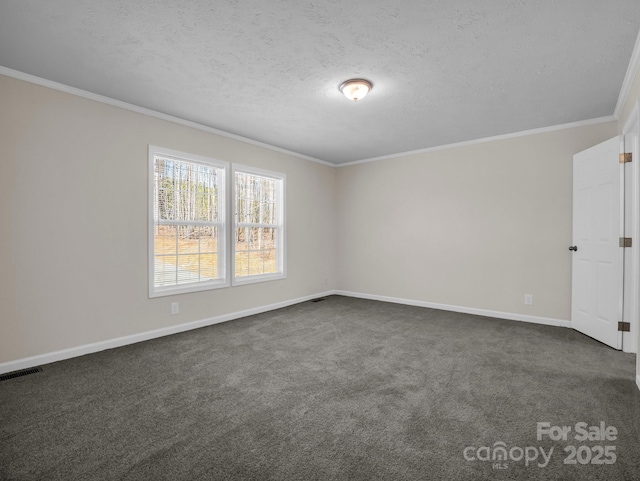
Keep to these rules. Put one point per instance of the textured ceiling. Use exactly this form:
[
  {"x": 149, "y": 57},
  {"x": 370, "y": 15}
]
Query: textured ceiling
[{"x": 444, "y": 71}]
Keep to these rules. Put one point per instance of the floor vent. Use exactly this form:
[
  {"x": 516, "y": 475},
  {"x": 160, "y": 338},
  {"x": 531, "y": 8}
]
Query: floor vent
[
  {"x": 23, "y": 372},
  {"x": 318, "y": 299}
]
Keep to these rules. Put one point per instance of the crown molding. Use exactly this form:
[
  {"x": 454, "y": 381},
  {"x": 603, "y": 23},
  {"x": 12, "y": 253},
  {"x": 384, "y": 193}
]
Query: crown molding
[
  {"x": 151, "y": 113},
  {"x": 632, "y": 70},
  {"x": 524, "y": 133}
]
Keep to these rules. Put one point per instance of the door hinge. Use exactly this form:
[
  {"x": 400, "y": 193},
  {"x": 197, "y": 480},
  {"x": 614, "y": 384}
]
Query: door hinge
[
  {"x": 625, "y": 242},
  {"x": 626, "y": 157},
  {"x": 624, "y": 327}
]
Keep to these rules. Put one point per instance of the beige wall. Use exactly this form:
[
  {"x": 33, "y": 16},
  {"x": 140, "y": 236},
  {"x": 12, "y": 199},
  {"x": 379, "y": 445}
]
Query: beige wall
[
  {"x": 73, "y": 204},
  {"x": 477, "y": 226}
]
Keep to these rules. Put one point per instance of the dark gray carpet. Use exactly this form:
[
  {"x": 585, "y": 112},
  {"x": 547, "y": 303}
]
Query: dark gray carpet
[{"x": 343, "y": 389}]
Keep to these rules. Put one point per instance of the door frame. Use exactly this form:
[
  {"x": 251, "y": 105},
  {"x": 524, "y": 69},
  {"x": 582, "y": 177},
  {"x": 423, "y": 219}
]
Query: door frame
[{"x": 631, "y": 133}]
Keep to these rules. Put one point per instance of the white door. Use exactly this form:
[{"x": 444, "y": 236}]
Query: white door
[{"x": 597, "y": 279}]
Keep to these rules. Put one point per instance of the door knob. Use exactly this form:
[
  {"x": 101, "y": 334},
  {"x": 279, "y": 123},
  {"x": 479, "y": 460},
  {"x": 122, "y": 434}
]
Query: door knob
[{"x": 573, "y": 248}]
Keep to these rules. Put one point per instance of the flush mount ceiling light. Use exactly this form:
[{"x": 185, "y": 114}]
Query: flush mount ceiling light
[{"x": 356, "y": 88}]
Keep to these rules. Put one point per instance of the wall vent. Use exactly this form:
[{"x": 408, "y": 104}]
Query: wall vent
[{"x": 23, "y": 372}]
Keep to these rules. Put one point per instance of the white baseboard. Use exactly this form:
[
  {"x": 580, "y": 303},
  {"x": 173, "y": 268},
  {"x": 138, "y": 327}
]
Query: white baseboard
[
  {"x": 167, "y": 331},
  {"x": 638, "y": 381},
  {"x": 144, "y": 336},
  {"x": 466, "y": 310}
]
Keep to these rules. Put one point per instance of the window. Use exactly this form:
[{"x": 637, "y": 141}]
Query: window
[
  {"x": 187, "y": 230},
  {"x": 258, "y": 237}
]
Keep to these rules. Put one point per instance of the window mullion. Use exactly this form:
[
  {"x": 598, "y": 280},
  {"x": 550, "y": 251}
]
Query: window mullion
[
  {"x": 193, "y": 223},
  {"x": 251, "y": 224}
]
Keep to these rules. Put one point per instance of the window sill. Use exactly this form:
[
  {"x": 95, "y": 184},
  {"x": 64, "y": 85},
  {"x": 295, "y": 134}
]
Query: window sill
[
  {"x": 186, "y": 288},
  {"x": 241, "y": 281}
]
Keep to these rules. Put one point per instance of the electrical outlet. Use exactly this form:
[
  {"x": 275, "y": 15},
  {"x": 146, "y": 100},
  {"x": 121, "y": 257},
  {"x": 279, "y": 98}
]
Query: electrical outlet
[
  {"x": 175, "y": 307},
  {"x": 528, "y": 299}
]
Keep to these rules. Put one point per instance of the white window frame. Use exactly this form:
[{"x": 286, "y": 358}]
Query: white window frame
[
  {"x": 221, "y": 224},
  {"x": 281, "y": 231}
]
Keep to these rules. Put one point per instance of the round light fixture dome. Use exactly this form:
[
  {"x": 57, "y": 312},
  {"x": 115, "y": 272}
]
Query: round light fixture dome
[{"x": 356, "y": 88}]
